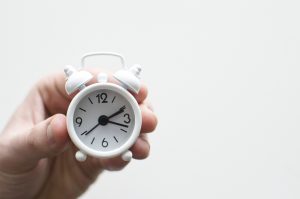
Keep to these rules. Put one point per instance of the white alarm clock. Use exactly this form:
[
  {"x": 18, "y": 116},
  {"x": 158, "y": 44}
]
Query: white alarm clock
[{"x": 103, "y": 119}]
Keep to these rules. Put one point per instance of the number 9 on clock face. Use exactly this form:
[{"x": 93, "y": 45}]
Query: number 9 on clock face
[{"x": 103, "y": 120}]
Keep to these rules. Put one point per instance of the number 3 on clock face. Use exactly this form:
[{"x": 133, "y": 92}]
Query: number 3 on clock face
[{"x": 104, "y": 120}]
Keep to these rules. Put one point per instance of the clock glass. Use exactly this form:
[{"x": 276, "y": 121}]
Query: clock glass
[{"x": 103, "y": 120}]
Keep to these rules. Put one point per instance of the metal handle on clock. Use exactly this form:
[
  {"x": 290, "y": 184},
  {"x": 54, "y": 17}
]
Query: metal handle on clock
[{"x": 92, "y": 54}]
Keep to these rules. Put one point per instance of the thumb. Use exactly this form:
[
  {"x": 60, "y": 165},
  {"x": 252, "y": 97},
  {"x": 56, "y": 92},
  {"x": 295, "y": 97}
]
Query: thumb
[{"x": 46, "y": 139}]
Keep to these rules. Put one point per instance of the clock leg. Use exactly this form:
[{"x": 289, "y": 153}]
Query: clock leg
[
  {"x": 80, "y": 156},
  {"x": 127, "y": 156}
]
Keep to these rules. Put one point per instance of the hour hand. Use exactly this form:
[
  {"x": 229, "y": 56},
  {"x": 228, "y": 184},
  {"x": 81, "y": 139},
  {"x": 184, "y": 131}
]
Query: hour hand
[{"x": 124, "y": 125}]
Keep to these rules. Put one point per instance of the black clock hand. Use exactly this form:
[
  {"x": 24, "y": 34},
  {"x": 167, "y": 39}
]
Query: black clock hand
[
  {"x": 121, "y": 110},
  {"x": 103, "y": 120},
  {"x": 124, "y": 125},
  {"x": 92, "y": 129}
]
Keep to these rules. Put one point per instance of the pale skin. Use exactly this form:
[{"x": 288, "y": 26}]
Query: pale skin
[{"x": 37, "y": 156}]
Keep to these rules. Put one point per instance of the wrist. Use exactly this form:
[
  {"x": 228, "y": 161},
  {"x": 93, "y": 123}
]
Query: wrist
[{"x": 14, "y": 186}]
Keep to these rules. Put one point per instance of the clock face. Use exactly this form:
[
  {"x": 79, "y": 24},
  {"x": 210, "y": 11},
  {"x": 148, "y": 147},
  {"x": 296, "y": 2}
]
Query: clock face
[{"x": 103, "y": 120}]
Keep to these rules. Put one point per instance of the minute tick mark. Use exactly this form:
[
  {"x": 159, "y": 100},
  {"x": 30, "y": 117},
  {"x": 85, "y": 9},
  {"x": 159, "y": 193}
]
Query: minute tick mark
[
  {"x": 82, "y": 109},
  {"x": 113, "y": 99},
  {"x": 90, "y": 100},
  {"x": 123, "y": 130},
  {"x": 93, "y": 140},
  {"x": 116, "y": 139}
]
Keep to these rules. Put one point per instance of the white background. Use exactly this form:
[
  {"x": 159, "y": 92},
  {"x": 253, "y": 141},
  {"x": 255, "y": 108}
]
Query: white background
[{"x": 223, "y": 78}]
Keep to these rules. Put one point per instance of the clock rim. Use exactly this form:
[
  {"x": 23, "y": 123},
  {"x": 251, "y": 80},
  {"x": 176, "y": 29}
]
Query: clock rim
[{"x": 137, "y": 120}]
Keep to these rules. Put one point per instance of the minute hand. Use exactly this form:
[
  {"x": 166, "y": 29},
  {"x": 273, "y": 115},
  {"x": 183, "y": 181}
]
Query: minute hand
[
  {"x": 121, "y": 110},
  {"x": 92, "y": 129}
]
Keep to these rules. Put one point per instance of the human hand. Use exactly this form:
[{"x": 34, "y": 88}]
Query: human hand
[{"x": 36, "y": 155}]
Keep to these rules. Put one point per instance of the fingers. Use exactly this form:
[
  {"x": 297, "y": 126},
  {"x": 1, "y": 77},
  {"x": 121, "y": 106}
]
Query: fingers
[
  {"x": 46, "y": 139},
  {"x": 113, "y": 164},
  {"x": 53, "y": 94},
  {"x": 141, "y": 148},
  {"x": 149, "y": 119},
  {"x": 50, "y": 137}
]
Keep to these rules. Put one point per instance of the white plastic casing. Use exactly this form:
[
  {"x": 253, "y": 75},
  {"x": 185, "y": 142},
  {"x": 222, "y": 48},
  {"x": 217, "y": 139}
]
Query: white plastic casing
[
  {"x": 80, "y": 156},
  {"x": 122, "y": 150},
  {"x": 76, "y": 79},
  {"x": 130, "y": 79}
]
